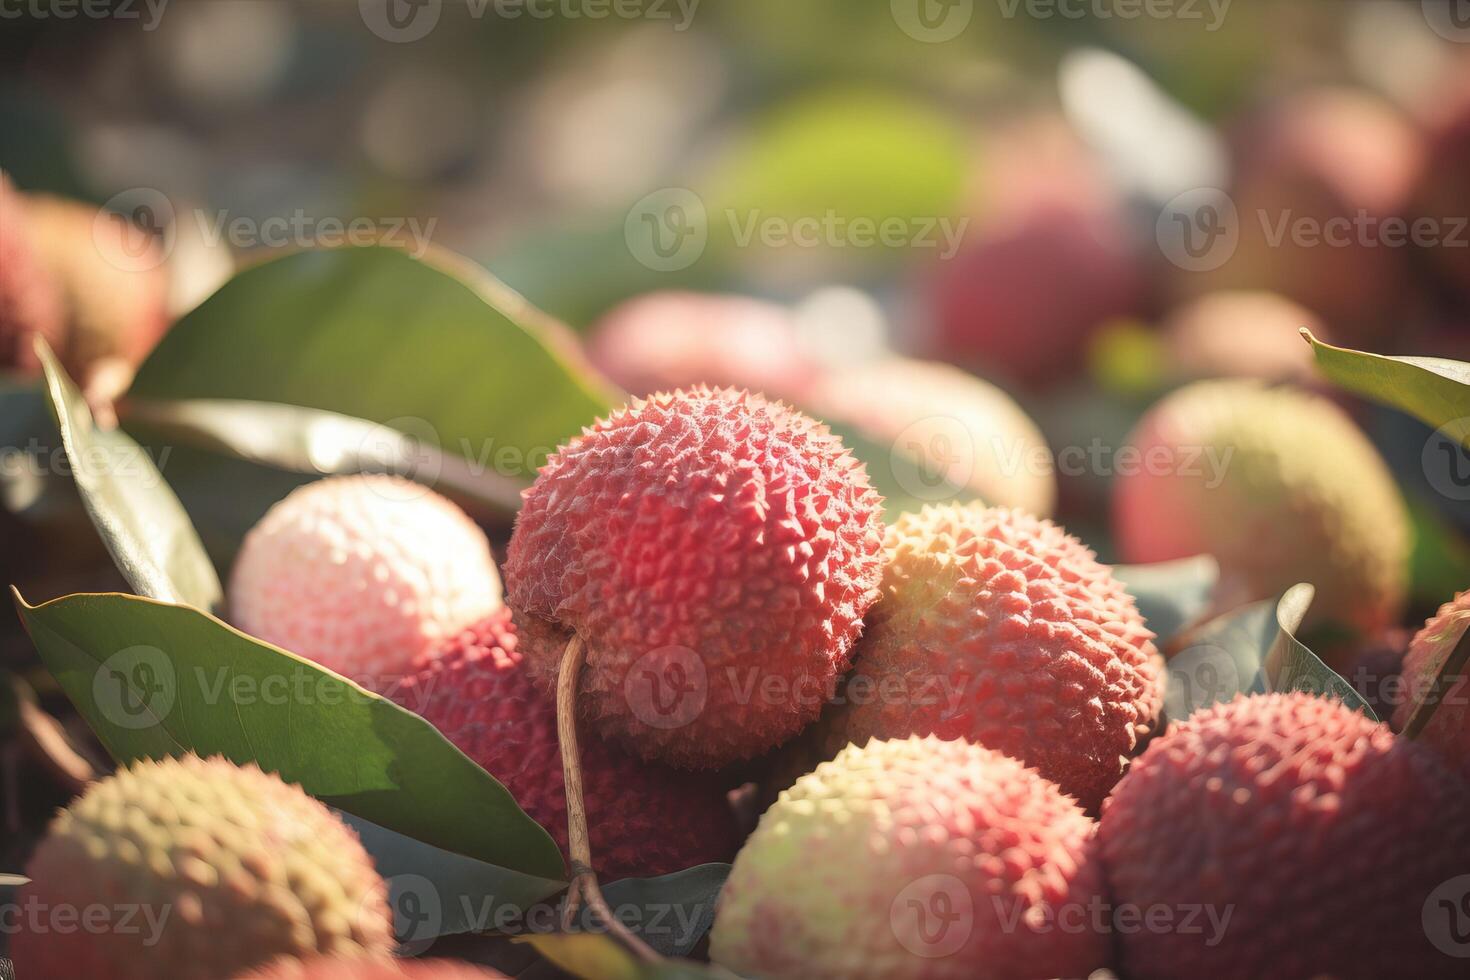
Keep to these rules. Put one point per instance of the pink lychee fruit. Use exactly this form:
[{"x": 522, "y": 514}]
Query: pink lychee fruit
[
  {"x": 1241, "y": 333},
  {"x": 374, "y": 969},
  {"x": 1301, "y": 838},
  {"x": 715, "y": 552},
  {"x": 916, "y": 858},
  {"x": 1000, "y": 628},
  {"x": 363, "y": 574},
  {"x": 664, "y": 340},
  {"x": 643, "y": 819},
  {"x": 30, "y": 298},
  {"x": 1448, "y": 730}
]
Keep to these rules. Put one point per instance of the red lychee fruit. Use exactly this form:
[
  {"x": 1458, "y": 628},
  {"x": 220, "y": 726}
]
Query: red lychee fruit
[
  {"x": 362, "y": 574},
  {"x": 30, "y": 299},
  {"x": 665, "y": 340},
  {"x": 375, "y": 969},
  {"x": 1448, "y": 731},
  {"x": 916, "y": 858},
  {"x": 1301, "y": 838},
  {"x": 716, "y": 553},
  {"x": 643, "y": 820},
  {"x": 999, "y": 627}
]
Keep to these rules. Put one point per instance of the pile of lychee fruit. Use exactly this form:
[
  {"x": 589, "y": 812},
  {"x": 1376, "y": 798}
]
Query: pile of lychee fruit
[{"x": 958, "y": 715}]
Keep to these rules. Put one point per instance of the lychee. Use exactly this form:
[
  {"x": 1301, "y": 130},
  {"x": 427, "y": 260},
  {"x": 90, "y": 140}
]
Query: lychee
[
  {"x": 372, "y": 969},
  {"x": 916, "y": 858},
  {"x": 644, "y": 820},
  {"x": 665, "y": 340},
  {"x": 30, "y": 299},
  {"x": 1448, "y": 731},
  {"x": 1241, "y": 333},
  {"x": 716, "y": 553},
  {"x": 999, "y": 627},
  {"x": 363, "y": 574},
  {"x": 1299, "y": 837},
  {"x": 949, "y": 431},
  {"x": 217, "y": 869},
  {"x": 1280, "y": 486},
  {"x": 113, "y": 280},
  {"x": 1442, "y": 196}
]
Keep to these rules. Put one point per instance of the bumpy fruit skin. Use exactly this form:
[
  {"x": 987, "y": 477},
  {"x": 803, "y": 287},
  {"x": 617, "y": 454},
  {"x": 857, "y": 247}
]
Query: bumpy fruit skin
[
  {"x": 234, "y": 866},
  {"x": 1000, "y": 628},
  {"x": 916, "y": 858},
  {"x": 1320, "y": 833},
  {"x": 716, "y": 554},
  {"x": 1448, "y": 731},
  {"x": 965, "y": 432},
  {"x": 113, "y": 279},
  {"x": 30, "y": 300},
  {"x": 1241, "y": 333},
  {"x": 376, "y": 969},
  {"x": 644, "y": 820},
  {"x": 363, "y": 574},
  {"x": 1277, "y": 484},
  {"x": 665, "y": 340}
]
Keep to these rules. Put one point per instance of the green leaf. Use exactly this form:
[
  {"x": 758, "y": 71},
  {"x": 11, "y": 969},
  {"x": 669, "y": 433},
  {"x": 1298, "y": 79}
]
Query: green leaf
[
  {"x": 157, "y": 680},
  {"x": 434, "y": 348},
  {"x": 1434, "y": 389},
  {"x": 597, "y": 956},
  {"x": 140, "y": 520},
  {"x": 672, "y": 912},
  {"x": 309, "y": 440},
  {"x": 1172, "y": 594},
  {"x": 1252, "y": 649},
  {"x": 1449, "y": 652},
  {"x": 434, "y": 892}
]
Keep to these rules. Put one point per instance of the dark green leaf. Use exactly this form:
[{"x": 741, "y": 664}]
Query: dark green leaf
[
  {"x": 158, "y": 680},
  {"x": 672, "y": 912},
  {"x": 140, "y": 520}
]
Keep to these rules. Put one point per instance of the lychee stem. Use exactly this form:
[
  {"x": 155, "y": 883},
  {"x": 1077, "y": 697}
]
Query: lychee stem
[
  {"x": 1450, "y": 671},
  {"x": 584, "y": 879}
]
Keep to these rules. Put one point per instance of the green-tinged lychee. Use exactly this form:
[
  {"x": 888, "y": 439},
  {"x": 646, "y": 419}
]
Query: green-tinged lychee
[
  {"x": 195, "y": 869},
  {"x": 999, "y": 627},
  {"x": 1288, "y": 836},
  {"x": 715, "y": 552},
  {"x": 948, "y": 431},
  {"x": 1280, "y": 486},
  {"x": 1448, "y": 730},
  {"x": 916, "y": 858}
]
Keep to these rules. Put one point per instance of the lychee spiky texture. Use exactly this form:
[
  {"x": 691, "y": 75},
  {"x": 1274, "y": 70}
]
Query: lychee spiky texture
[
  {"x": 224, "y": 868},
  {"x": 643, "y": 819},
  {"x": 1448, "y": 731},
  {"x": 1317, "y": 832},
  {"x": 363, "y": 574},
  {"x": 999, "y": 627},
  {"x": 960, "y": 434},
  {"x": 669, "y": 339},
  {"x": 113, "y": 280},
  {"x": 30, "y": 300},
  {"x": 374, "y": 969},
  {"x": 1280, "y": 486},
  {"x": 916, "y": 858},
  {"x": 716, "y": 553}
]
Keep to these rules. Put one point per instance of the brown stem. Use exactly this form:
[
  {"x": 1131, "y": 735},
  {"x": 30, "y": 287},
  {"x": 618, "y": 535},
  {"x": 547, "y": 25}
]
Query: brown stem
[
  {"x": 584, "y": 879},
  {"x": 1450, "y": 671}
]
